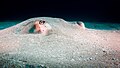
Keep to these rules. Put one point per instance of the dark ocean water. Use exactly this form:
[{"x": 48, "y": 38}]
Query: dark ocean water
[
  {"x": 6, "y": 24},
  {"x": 91, "y": 25}
]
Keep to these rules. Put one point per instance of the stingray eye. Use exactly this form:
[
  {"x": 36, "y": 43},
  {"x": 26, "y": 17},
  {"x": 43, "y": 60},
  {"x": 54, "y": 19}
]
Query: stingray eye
[
  {"x": 43, "y": 22},
  {"x": 40, "y": 22}
]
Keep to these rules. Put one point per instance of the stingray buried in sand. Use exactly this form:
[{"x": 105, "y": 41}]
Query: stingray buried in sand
[{"x": 66, "y": 46}]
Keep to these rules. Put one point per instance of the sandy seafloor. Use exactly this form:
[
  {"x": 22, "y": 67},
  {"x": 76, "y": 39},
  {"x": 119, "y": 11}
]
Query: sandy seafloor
[{"x": 67, "y": 46}]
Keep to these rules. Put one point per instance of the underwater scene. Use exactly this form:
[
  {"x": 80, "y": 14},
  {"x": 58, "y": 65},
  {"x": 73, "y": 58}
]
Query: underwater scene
[{"x": 47, "y": 42}]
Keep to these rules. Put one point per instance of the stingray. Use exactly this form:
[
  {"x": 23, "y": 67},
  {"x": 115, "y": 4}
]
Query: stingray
[{"x": 67, "y": 46}]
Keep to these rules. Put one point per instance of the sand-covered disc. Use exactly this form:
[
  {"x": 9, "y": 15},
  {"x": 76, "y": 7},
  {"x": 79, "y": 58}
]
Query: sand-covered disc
[{"x": 66, "y": 46}]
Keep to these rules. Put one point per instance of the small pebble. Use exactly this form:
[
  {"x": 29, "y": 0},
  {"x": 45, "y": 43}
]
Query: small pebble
[
  {"x": 72, "y": 60},
  {"x": 96, "y": 53},
  {"x": 104, "y": 51},
  {"x": 91, "y": 58},
  {"x": 113, "y": 58}
]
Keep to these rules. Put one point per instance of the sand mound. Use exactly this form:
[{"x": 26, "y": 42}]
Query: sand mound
[
  {"x": 67, "y": 46},
  {"x": 26, "y": 27}
]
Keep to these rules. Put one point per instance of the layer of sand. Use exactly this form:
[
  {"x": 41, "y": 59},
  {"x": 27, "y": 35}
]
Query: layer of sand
[{"x": 67, "y": 45}]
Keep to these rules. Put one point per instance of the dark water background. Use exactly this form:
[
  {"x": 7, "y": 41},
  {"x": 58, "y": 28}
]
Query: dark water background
[{"x": 96, "y": 14}]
